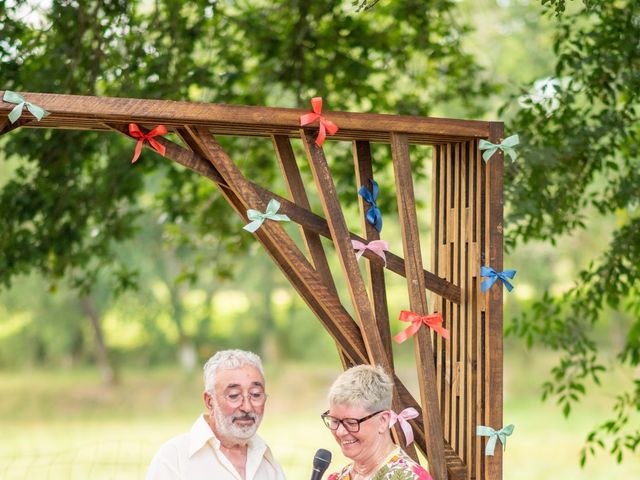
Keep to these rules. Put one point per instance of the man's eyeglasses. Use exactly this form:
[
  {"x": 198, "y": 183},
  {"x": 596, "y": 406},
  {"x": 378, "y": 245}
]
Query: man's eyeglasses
[
  {"x": 350, "y": 424},
  {"x": 256, "y": 399}
]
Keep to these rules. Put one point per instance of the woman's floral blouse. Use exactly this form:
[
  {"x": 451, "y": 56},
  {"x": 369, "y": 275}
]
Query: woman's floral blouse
[{"x": 397, "y": 466}]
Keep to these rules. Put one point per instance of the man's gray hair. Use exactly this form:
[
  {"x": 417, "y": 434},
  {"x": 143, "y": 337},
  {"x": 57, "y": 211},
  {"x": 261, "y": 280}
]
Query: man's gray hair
[
  {"x": 228, "y": 359},
  {"x": 363, "y": 385}
]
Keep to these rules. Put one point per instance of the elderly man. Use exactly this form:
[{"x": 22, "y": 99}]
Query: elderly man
[{"x": 222, "y": 443}]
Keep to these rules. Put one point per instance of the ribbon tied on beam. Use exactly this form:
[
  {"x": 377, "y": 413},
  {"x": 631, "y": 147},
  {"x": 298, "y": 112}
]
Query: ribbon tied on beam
[
  {"x": 135, "y": 132},
  {"x": 493, "y": 276},
  {"x": 257, "y": 218},
  {"x": 326, "y": 126},
  {"x": 374, "y": 216},
  {"x": 14, "y": 115},
  {"x": 494, "y": 436},
  {"x": 433, "y": 321},
  {"x": 507, "y": 146},
  {"x": 403, "y": 419},
  {"x": 376, "y": 246}
]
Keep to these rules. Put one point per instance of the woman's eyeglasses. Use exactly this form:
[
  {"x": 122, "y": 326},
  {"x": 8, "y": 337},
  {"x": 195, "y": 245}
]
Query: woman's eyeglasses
[{"x": 350, "y": 424}]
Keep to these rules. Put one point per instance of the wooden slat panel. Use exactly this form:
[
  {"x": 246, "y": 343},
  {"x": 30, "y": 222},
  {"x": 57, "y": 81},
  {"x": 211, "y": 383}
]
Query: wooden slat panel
[
  {"x": 246, "y": 119},
  {"x": 439, "y": 215},
  {"x": 304, "y": 217},
  {"x": 465, "y": 364},
  {"x": 435, "y": 258},
  {"x": 454, "y": 244},
  {"x": 470, "y": 306},
  {"x": 418, "y": 303},
  {"x": 447, "y": 313}
]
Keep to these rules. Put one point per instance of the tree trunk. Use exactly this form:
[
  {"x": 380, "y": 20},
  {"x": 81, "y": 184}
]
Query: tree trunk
[{"x": 107, "y": 371}]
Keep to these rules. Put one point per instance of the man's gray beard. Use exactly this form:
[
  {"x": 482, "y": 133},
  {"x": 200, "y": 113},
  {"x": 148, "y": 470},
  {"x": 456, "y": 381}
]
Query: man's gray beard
[{"x": 228, "y": 429}]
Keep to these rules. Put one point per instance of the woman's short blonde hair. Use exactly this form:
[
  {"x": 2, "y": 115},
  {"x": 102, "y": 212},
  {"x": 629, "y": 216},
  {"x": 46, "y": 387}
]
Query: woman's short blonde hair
[{"x": 363, "y": 385}]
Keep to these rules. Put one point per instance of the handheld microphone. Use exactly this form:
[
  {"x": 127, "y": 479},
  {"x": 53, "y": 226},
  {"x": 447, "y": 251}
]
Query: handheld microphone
[{"x": 321, "y": 462}]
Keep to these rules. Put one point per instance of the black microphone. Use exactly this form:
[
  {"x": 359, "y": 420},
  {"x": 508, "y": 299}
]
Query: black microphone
[{"x": 321, "y": 462}]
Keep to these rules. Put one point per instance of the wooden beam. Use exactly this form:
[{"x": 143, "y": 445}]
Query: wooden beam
[
  {"x": 77, "y": 111},
  {"x": 418, "y": 303},
  {"x": 494, "y": 258}
]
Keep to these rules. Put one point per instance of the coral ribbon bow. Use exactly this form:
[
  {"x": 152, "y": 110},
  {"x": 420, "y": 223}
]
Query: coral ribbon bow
[
  {"x": 376, "y": 246},
  {"x": 403, "y": 418},
  {"x": 493, "y": 276},
  {"x": 14, "y": 115},
  {"x": 433, "y": 321},
  {"x": 135, "y": 132},
  {"x": 494, "y": 435},
  {"x": 325, "y": 125}
]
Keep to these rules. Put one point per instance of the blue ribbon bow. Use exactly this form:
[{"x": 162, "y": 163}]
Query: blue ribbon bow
[
  {"x": 494, "y": 435},
  {"x": 14, "y": 115},
  {"x": 374, "y": 217},
  {"x": 493, "y": 276},
  {"x": 506, "y": 146},
  {"x": 257, "y": 218}
]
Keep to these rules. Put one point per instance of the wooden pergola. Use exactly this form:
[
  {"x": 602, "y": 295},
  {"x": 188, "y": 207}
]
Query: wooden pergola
[{"x": 460, "y": 379}]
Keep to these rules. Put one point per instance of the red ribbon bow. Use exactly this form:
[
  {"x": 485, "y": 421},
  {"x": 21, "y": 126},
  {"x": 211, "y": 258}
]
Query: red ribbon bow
[
  {"x": 433, "y": 321},
  {"x": 325, "y": 125},
  {"x": 135, "y": 132}
]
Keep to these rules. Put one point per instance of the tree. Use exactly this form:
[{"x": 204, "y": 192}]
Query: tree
[{"x": 580, "y": 132}]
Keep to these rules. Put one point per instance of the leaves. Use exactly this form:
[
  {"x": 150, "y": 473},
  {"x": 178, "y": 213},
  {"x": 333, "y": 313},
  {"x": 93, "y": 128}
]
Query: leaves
[{"x": 581, "y": 156}]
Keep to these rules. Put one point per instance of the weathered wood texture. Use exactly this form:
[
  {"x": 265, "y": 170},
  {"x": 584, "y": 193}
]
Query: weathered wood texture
[
  {"x": 460, "y": 379},
  {"x": 467, "y": 233},
  {"x": 418, "y": 303},
  {"x": 91, "y": 113}
]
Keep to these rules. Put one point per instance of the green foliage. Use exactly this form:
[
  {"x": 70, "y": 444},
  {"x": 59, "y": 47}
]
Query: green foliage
[{"x": 582, "y": 155}]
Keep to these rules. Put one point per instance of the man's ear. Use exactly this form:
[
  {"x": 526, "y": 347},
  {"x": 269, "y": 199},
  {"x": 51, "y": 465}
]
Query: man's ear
[{"x": 208, "y": 400}]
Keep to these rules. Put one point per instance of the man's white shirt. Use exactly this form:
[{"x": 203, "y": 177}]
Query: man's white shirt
[{"x": 196, "y": 455}]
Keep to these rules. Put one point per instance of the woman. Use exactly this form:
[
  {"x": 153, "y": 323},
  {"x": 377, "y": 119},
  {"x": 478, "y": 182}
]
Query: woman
[{"x": 359, "y": 418}]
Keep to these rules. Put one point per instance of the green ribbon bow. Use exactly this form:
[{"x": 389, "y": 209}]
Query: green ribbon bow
[
  {"x": 506, "y": 146},
  {"x": 13, "y": 97},
  {"x": 494, "y": 435},
  {"x": 257, "y": 218}
]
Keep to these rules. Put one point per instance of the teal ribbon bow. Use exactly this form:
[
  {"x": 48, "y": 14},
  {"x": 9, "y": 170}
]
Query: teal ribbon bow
[
  {"x": 13, "y": 97},
  {"x": 257, "y": 218},
  {"x": 494, "y": 435},
  {"x": 506, "y": 146}
]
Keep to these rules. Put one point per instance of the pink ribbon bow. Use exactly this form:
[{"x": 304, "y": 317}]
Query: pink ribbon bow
[
  {"x": 433, "y": 321},
  {"x": 325, "y": 125},
  {"x": 135, "y": 132},
  {"x": 403, "y": 418},
  {"x": 376, "y": 246}
]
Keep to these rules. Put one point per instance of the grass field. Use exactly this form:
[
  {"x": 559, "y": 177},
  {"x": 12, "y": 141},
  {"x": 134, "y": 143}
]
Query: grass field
[{"x": 66, "y": 425}]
